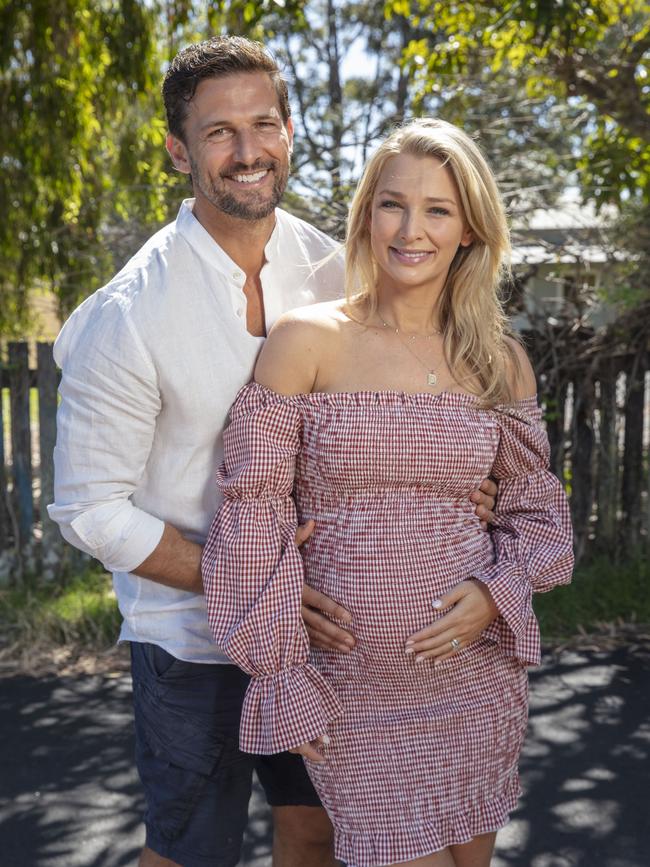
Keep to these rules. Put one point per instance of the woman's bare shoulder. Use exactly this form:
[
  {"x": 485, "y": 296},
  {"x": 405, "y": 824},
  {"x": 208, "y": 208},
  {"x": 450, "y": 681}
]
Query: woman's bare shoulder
[
  {"x": 297, "y": 342},
  {"x": 520, "y": 373}
]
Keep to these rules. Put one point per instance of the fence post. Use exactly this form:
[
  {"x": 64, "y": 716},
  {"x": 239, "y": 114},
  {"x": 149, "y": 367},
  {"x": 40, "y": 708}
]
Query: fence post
[
  {"x": 633, "y": 456},
  {"x": 51, "y": 551},
  {"x": 4, "y": 490},
  {"x": 607, "y": 467},
  {"x": 582, "y": 443},
  {"x": 21, "y": 448}
]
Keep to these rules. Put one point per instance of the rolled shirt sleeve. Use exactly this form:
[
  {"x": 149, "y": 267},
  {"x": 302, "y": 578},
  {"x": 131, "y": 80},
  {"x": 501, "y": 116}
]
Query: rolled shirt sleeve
[{"x": 109, "y": 402}]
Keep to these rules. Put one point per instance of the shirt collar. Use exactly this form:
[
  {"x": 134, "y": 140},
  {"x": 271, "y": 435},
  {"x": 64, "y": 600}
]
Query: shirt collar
[{"x": 203, "y": 242}]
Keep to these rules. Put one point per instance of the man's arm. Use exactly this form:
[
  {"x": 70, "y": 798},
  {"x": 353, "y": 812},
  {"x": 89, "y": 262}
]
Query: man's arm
[
  {"x": 174, "y": 562},
  {"x": 110, "y": 402}
]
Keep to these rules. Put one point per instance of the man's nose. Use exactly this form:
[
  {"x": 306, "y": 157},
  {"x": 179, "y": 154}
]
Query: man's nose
[{"x": 247, "y": 149}]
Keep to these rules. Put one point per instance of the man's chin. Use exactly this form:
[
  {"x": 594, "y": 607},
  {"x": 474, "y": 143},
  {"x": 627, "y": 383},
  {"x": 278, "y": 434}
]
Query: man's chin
[{"x": 250, "y": 211}]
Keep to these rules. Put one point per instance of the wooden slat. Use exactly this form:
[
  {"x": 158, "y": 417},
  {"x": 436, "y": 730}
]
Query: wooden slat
[
  {"x": 22, "y": 499},
  {"x": 632, "y": 485},
  {"x": 582, "y": 462},
  {"x": 608, "y": 463},
  {"x": 47, "y": 401},
  {"x": 4, "y": 491}
]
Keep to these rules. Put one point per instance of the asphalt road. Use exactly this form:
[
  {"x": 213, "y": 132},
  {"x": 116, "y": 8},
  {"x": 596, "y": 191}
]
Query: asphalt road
[{"x": 69, "y": 795}]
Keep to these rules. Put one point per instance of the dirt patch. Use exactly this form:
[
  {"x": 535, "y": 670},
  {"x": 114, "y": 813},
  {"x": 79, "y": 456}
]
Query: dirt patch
[{"x": 65, "y": 661}]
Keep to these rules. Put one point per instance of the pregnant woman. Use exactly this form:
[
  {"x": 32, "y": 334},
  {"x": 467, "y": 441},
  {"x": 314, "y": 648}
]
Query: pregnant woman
[{"x": 376, "y": 417}]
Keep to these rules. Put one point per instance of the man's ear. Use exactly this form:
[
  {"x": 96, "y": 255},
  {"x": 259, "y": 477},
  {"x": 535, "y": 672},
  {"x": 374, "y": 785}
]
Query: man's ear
[
  {"x": 178, "y": 152},
  {"x": 290, "y": 128}
]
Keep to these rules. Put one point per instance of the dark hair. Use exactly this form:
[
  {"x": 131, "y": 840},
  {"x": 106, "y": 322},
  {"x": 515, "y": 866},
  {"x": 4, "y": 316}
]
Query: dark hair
[{"x": 216, "y": 57}]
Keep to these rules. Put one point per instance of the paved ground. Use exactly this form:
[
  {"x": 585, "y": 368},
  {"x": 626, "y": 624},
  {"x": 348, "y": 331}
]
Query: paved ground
[{"x": 69, "y": 795}]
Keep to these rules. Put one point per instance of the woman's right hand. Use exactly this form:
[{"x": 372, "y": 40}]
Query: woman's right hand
[{"x": 310, "y": 749}]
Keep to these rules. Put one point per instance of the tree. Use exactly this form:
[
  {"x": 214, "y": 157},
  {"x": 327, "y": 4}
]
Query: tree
[{"x": 81, "y": 141}]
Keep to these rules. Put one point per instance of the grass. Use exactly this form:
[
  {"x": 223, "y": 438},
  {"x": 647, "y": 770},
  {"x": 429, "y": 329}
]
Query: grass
[
  {"x": 83, "y": 614},
  {"x": 602, "y": 592}
]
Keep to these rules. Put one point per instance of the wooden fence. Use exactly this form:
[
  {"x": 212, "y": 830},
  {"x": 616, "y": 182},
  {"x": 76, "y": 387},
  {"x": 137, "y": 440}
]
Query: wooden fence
[{"x": 599, "y": 429}]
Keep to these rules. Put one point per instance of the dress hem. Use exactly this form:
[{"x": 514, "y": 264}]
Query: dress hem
[{"x": 408, "y": 843}]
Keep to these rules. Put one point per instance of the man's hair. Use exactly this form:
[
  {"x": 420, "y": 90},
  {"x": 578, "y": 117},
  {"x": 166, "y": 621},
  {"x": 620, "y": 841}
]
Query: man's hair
[{"x": 214, "y": 58}]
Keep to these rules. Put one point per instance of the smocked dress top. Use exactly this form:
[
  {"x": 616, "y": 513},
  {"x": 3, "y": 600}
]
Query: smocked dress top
[{"x": 420, "y": 755}]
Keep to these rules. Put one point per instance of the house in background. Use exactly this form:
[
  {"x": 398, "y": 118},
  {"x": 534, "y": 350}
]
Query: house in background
[{"x": 565, "y": 259}]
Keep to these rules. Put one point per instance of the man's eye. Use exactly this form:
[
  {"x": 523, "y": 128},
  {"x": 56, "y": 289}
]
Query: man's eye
[{"x": 221, "y": 132}]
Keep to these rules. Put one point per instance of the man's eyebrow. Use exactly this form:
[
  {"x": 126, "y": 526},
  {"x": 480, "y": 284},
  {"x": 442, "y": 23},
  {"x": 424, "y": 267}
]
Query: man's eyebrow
[
  {"x": 397, "y": 195},
  {"x": 216, "y": 122}
]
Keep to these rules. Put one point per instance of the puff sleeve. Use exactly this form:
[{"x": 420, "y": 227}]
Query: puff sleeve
[
  {"x": 253, "y": 577},
  {"x": 532, "y": 535}
]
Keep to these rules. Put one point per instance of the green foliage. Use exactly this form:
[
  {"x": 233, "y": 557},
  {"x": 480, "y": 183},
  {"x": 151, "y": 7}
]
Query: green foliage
[
  {"x": 601, "y": 592},
  {"x": 81, "y": 141},
  {"x": 592, "y": 56},
  {"x": 83, "y": 613}
]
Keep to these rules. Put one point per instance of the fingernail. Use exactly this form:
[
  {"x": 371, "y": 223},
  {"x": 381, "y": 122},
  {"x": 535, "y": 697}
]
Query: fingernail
[
  {"x": 437, "y": 603},
  {"x": 344, "y": 648},
  {"x": 410, "y": 642},
  {"x": 409, "y": 649},
  {"x": 326, "y": 740},
  {"x": 419, "y": 658}
]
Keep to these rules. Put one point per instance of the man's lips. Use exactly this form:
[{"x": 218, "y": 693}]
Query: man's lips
[{"x": 249, "y": 179}]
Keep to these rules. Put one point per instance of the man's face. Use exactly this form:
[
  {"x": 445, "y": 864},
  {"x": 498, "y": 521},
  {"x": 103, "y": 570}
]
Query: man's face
[{"x": 237, "y": 147}]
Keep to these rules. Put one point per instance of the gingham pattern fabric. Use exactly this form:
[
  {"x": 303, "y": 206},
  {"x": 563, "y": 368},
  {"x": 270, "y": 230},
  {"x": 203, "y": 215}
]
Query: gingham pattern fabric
[{"x": 421, "y": 756}]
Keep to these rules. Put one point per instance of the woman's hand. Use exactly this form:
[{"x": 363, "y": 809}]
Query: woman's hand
[
  {"x": 471, "y": 609},
  {"x": 312, "y": 750}
]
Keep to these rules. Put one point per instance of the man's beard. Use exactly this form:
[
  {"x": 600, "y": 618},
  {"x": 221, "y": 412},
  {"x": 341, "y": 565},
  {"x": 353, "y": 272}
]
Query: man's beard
[{"x": 243, "y": 209}]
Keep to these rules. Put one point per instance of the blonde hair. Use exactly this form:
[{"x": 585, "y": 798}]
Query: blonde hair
[{"x": 470, "y": 311}]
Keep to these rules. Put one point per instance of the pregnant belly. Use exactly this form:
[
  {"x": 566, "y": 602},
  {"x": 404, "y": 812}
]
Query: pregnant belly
[{"x": 389, "y": 584}]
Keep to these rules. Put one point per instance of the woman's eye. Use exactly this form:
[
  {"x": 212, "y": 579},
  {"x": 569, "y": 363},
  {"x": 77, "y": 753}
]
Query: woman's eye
[
  {"x": 439, "y": 211},
  {"x": 389, "y": 203}
]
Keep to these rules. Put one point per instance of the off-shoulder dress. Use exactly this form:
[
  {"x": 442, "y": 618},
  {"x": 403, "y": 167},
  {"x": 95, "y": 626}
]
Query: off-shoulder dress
[{"x": 421, "y": 756}]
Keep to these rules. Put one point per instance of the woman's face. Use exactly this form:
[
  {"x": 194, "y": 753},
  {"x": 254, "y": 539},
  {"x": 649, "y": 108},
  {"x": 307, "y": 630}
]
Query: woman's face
[{"x": 417, "y": 224}]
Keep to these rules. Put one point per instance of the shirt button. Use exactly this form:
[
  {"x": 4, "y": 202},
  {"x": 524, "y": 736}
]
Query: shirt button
[{"x": 237, "y": 275}]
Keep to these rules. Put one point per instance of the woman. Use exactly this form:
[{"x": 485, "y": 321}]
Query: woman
[{"x": 380, "y": 414}]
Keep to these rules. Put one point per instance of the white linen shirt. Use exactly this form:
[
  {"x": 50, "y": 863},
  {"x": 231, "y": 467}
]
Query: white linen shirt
[{"x": 150, "y": 366}]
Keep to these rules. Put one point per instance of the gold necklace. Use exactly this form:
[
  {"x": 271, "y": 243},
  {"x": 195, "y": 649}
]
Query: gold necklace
[
  {"x": 432, "y": 378},
  {"x": 408, "y": 336}
]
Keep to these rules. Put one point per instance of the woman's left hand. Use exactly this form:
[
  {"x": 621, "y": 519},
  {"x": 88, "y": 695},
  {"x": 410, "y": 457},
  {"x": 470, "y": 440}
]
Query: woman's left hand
[{"x": 472, "y": 609}]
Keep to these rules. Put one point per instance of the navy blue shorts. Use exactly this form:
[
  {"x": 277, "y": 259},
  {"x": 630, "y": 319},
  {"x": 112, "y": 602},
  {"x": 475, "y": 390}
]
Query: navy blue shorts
[{"x": 197, "y": 782}]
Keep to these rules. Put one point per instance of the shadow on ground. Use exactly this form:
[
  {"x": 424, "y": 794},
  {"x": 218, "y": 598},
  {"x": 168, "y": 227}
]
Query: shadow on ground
[{"x": 69, "y": 795}]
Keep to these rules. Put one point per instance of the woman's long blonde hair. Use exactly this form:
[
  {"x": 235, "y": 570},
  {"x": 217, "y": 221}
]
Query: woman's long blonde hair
[{"x": 470, "y": 311}]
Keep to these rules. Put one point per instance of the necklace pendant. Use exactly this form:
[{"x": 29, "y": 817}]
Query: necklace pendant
[{"x": 432, "y": 379}]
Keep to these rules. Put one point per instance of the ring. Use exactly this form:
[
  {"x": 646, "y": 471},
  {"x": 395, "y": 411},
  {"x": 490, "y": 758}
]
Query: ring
[{"x": 455, "y": 643}]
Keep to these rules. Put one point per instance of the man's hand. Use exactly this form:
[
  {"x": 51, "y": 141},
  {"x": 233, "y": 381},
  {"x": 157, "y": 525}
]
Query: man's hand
[
  {"x": 312, "y": 750},
  {"x": 317, "y": 610},
  {"x": 471, "y": 609},
  {"x": 485, "y": 498}
]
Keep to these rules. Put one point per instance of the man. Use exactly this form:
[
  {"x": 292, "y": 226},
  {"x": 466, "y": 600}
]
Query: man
[{"x": 151, "y": 364}]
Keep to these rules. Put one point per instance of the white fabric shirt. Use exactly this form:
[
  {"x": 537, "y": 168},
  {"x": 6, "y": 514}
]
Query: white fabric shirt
[{"x": 150, "y": 366}]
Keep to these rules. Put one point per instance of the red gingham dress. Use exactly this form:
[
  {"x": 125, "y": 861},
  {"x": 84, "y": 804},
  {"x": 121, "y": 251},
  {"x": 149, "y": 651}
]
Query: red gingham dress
[{"x": 421, "y": 755}]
